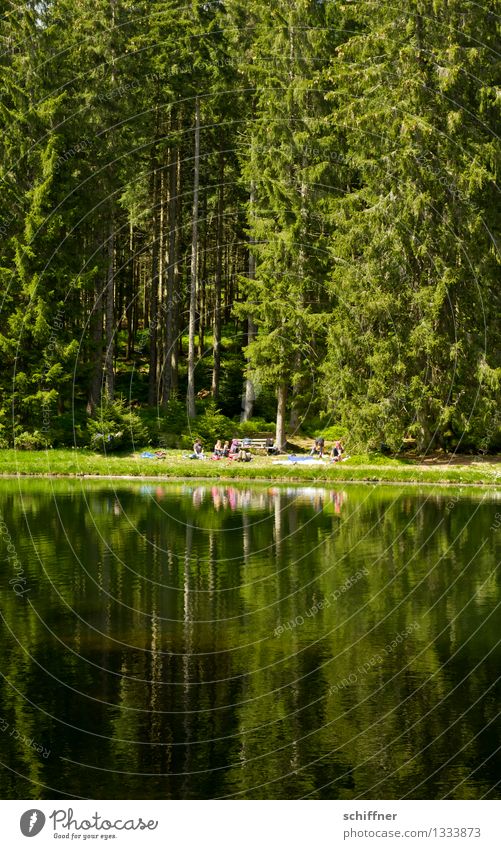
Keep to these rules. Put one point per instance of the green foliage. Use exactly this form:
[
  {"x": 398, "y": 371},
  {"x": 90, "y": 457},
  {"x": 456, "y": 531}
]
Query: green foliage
[
  {"x": 253, "y": 427},
  {"x": 348, "y": 206},
  {"x": 212, "y": 425},
  {"x": 34, "y": 441},
  {"x": 116, "y": 428},
  {"x": 413, "y": 251},
  {"x": 68, "y": 428}
]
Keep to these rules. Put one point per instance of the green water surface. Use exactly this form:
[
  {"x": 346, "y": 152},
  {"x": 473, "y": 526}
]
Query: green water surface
[{"x": 205, "y": 641}]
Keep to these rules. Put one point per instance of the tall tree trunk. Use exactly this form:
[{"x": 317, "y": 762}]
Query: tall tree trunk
[
  {"x": 299, "y": 377},
  {"x": 110, "y": 314},
  {"x": 171, "y": 269},
  {"x": 190, "y": 400},
  {"x": 249, "y": 392},
  {"x": 130, "y": 292},
  {"x": 201, "y": 287},
  {"x": 96, "y": 323},
  {"x": 176, "y": 311},
  {"x": 296, "y": 390},
  {"x": 219, "y": 274},
  {"x": 281, "y": 411},
  {"x": 152, "y": 380}
]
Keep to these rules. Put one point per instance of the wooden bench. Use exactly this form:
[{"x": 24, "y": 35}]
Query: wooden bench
[{"x": 257, "y": 443}]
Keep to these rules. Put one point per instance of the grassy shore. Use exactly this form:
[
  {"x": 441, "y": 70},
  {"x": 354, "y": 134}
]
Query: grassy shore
[{"x": 368, "y": 467}]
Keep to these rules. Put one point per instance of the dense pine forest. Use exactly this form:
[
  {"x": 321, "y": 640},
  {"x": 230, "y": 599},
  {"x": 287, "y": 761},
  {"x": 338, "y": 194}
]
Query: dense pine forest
[{"x": 282, "y": 213}]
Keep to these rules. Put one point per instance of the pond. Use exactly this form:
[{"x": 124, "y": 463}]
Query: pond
[{"x": 214, "y": 641}]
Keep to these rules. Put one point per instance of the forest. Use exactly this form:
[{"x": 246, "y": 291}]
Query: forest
[{"x": 254, "y": 214}]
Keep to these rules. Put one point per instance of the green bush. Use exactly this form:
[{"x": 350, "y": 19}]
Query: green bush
[
  {"x": 335, "y": 432},
  {"x": 116, "y": 427},
  {"x": 31, "y": 441},
  {"x": 212, "y": 425},
  {"x": 5, "y": 441},
  {"x": 253, "y": 427},
  {"x": 174, "y": 419},
  {"x": 175, "y": 430},
  {"x": 68, "y": 428},
  {"x": 170, "y": 425}
]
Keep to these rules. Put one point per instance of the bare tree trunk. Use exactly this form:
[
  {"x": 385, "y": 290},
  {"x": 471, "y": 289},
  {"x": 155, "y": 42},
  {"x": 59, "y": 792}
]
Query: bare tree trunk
[
  {"x": 171, "y": 267},
  {"x": 110, "y": 314},
  {"x": 281, "y": 411},
  {"x": 249, "y": 393},
  {"x": 129, "y": 296},
  {"x": 176, "y": 310},
  {"x": 219, "y": 274},
  {"x": 201, "y": 287},
  {"x": 190, "y": 400},
  {"x": 96, "y": 352},
  {"x": 296, "y": 391},
  {"x": 152, "y": 379},
  {"x": 299, "y": 377}
]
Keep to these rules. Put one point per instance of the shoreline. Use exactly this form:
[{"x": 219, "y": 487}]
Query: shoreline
[
  {"x": 235, "y": 479},
  {"x": 363, "y": 468}
]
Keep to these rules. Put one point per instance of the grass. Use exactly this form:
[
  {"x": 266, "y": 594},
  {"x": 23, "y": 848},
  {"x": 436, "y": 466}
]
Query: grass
[{"x": 367, "y": 467}]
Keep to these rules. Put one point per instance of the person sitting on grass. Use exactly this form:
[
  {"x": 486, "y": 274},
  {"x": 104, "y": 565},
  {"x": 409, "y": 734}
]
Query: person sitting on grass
[
  {"x": 272, "y": 447},
  {"x": 198, "y": 451},
  {"x": 226, "y": 449},
  {"x": 337, "y": 452},
  {"x": 218, "y": 449},
  {"x": 318, "y": 447},
  {"x": 244, "y": 455},
  {"x": 234, "y": 449}
]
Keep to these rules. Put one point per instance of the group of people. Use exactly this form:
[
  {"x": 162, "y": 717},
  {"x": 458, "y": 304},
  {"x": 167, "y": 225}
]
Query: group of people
[
  {"x": 318, "y": 448},
  {"x": 239, "y": 450},
  {"x": 234, "y": 450}
]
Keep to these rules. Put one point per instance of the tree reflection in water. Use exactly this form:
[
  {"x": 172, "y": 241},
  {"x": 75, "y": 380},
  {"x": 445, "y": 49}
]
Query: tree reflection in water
[{"x": 204, "y": 641}]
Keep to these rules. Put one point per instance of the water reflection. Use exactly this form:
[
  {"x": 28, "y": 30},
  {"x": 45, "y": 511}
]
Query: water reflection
[
  {"x": 259, "y": 642},
  {"x": 239, "y": 498}
]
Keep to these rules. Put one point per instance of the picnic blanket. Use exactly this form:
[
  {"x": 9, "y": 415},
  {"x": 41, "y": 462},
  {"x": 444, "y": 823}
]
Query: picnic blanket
[{"x": 293, "y": 459}]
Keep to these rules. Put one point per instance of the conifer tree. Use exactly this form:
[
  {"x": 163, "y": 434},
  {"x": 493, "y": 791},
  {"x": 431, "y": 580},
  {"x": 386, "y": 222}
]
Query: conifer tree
[{"x": 412, "y": 345}]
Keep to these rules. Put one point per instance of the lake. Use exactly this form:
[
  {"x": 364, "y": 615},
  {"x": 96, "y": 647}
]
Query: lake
[{"x": 166, "y": 641}]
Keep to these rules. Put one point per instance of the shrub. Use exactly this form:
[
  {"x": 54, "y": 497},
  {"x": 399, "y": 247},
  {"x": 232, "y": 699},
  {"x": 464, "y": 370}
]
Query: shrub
[
  {"x": 68, "y": 428},
  {"x": 212, "y": 425},
  {"x": 170, "y": 426},
  {"x": 5, "y": 436},
  {"x": 335, "y": 432},
  {"x": 253, "y": 427},
  {"x": 31, "y": 441},
  {"x": 116, "y": 427}
]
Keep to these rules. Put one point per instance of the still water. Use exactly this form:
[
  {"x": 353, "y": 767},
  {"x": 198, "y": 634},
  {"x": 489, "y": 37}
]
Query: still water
[{"x": 170, "y": 641}]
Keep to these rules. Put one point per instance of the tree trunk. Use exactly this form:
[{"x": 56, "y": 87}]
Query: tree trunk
[
  {"x": 298, "y": 385},
  {"x": 176, "y": 310},
  {"x": 249, "y": 392},
  {"x": 110, "y": 315},
  {"x": 96, "y": 352},
  {"x": 201, "y": 287},
  {"x": 152, "y": 379},
  {"x": 130, "y": 292},
  {"x": 217, "y": 289},
  {"x": 171, "y": 268},
  {"x": 281, "y": 411},
  {"x": 190, "y": 400}
]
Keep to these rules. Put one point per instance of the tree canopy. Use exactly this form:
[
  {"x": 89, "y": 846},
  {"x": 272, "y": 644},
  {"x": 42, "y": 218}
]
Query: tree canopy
[{"x": 285, "y": 210}]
